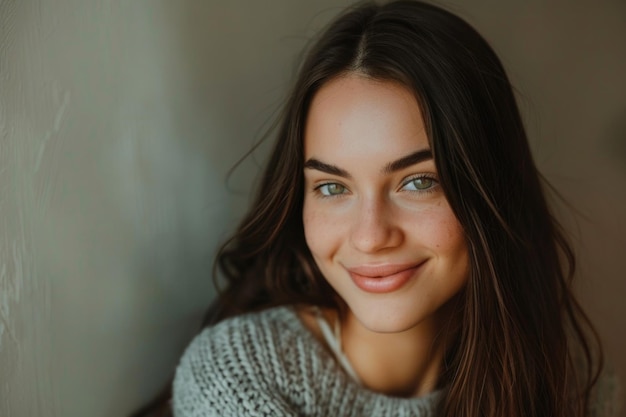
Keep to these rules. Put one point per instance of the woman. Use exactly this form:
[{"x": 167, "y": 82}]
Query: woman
[{"x": 400, "y": 207}]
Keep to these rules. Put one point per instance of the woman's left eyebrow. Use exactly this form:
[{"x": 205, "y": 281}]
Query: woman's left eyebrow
[{"x": 407, "y": 161}]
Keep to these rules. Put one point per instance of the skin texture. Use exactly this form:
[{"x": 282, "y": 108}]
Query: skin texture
[{"x": 365, "y": 216}]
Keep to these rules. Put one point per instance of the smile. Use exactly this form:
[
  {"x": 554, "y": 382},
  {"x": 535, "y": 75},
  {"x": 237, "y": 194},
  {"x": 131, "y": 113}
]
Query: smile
[{"x": 383, "y": 278}]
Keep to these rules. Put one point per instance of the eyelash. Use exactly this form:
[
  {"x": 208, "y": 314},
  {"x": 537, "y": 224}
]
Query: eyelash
[
  {"x": 406, "y": 182},
  {"x": 320, "y": 194},
  {"x": 430, "y": 189}
]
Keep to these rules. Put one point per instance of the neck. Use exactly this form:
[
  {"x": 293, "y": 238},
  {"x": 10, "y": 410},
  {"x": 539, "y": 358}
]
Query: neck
[{"x": 404, "y": 364}]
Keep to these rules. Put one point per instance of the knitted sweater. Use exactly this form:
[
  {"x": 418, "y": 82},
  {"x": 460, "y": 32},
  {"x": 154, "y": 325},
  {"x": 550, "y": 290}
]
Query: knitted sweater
[{"x": 270, "y": 364}]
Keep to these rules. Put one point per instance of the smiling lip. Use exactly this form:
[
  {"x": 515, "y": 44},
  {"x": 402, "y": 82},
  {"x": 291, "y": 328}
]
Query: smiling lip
[{"x": 382, "y": 278}]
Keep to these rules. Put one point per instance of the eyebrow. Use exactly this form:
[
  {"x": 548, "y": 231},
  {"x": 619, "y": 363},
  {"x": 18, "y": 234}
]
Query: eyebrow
[
  {"x": 407, "y": 161},
  {"x": 397, "y": 165},
  {"x": 327, "y": 168}
]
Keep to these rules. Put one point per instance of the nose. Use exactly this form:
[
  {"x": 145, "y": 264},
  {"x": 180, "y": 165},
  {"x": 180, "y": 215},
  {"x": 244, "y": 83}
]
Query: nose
[{"x": 374, "y": 227}]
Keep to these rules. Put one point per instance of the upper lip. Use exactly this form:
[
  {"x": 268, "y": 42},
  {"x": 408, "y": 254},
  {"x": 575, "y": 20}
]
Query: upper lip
[{"x": 381, "y": 270}]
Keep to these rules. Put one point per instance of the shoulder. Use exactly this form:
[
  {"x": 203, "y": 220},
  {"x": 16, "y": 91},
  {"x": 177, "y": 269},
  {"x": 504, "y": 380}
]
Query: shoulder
[
  {"x": 238, "y": 366},
  {"x": 605, "y": 400}
]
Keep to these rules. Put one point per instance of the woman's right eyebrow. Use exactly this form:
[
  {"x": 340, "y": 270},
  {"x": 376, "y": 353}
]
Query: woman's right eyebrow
[{"x": 327, "y": 168}]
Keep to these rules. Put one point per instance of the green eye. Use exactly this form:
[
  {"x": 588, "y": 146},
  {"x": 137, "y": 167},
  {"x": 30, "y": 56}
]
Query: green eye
[
  {"x": 331, "y": 189},
  {"x": 419, "y": 184}
]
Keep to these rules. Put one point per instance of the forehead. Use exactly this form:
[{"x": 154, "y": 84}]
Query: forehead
[{"x": 354, "y": 114}]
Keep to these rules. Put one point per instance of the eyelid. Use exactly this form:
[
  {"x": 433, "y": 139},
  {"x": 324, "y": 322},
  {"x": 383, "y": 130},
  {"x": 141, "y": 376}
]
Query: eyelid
[
  {"x": 317, "y": 189},
  {"x": 431, "y": 176}
]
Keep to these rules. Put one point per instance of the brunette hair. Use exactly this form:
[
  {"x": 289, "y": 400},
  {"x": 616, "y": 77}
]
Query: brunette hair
[{"x": 524, "y": 347}]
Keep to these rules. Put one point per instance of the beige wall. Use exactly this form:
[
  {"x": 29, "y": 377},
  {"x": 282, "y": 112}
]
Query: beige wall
[{"x": 119, "y": 120}]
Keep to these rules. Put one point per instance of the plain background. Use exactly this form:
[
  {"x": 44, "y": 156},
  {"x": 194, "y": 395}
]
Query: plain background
[{"x": 120, "y": 119}]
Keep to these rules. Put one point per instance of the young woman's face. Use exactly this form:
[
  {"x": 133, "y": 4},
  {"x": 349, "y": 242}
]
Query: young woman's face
[{"x": 375, "y": 217}]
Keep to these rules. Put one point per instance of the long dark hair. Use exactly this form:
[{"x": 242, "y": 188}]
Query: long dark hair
[{"x": 524, "y": 345}]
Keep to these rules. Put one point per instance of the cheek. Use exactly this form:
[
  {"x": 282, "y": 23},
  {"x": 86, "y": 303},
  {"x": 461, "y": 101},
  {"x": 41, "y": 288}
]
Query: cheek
[
  {"x": 320, "y": 230},
  {"x": 309, "y": 220},
  {"x": 452, "y": 249},
  {"x": 439, "y": 230},
  {"x": 455, "y": 241},
  {"x": 445, "y": 239}
]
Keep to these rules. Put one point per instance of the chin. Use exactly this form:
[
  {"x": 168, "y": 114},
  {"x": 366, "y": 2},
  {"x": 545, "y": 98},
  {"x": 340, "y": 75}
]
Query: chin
[{"x": 389, "y": 320}]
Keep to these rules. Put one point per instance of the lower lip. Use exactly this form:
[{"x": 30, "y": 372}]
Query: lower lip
[{"x": 384, "y": 284}]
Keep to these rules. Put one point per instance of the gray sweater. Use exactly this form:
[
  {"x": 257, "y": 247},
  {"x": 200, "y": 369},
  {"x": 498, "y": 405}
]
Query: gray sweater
[{"x": 270, "y": 364}]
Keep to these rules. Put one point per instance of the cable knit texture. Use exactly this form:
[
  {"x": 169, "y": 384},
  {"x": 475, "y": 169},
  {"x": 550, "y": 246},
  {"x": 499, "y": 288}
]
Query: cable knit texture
[{"x": 269, "y": 364}]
